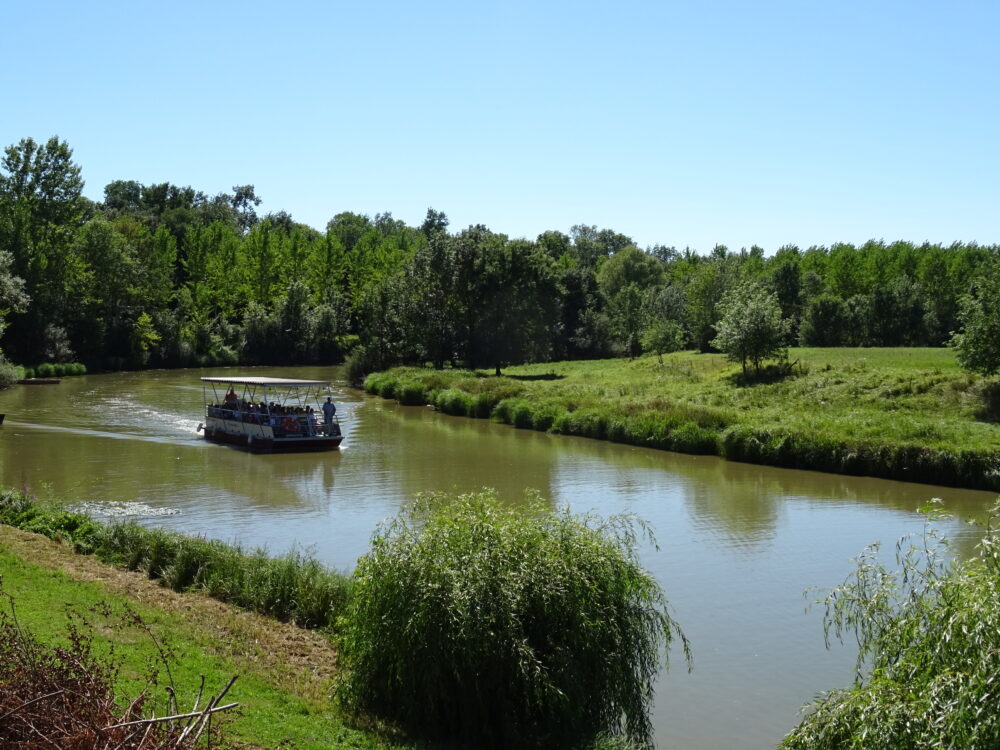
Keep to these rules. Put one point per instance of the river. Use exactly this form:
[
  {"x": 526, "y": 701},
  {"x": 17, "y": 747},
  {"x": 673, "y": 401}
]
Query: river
[{"x": 738, "y": 544}]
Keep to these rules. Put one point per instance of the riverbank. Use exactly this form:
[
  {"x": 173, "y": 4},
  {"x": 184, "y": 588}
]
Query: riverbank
[
  {"x": 907, "y": 414},
  {"x": 285, "y": 672}
]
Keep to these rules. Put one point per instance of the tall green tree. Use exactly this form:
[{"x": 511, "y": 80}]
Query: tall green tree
[
  {"x": 825, "y": 322},
  {"x": 431, "y": 279},
  {"x": 625, "y": 280},
  {"x": 13, "y": 298},
  {"x": 41, "y": 209}
]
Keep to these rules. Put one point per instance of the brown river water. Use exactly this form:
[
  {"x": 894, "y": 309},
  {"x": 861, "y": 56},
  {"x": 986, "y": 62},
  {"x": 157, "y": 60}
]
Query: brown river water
[{"x": 738, "y": 544}]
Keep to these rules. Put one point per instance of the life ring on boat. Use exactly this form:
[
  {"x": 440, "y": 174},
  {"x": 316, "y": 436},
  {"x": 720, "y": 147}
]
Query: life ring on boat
[{"x": 290, "y": 424}]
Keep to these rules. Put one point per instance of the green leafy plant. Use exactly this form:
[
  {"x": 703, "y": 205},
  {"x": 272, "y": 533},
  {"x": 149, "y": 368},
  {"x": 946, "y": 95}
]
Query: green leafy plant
[
  {"x": 928, "y": 632},
  {"x": 751, "y": 328},
  {"x": 507, "y": 627}
]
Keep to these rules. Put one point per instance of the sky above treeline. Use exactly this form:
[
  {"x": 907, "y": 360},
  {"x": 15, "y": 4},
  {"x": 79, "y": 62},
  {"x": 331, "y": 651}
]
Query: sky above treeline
[{"x": 678, "y": 123}]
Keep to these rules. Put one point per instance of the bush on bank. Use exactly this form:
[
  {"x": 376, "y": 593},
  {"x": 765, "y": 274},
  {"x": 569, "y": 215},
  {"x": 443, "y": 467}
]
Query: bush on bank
[
  {"x": 55, "y": 370},
  {"x": 928, "y": 632},
  {"x": 504, "y": 628},
  {"x": 293, "y": 587}
]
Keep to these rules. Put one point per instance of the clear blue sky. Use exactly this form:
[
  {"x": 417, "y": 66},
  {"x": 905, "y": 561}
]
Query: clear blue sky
[{"x": 681, "y": 123}]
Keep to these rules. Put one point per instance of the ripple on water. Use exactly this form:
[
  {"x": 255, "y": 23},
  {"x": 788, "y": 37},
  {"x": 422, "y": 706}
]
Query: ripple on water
[{"x": 121, "y": 509}]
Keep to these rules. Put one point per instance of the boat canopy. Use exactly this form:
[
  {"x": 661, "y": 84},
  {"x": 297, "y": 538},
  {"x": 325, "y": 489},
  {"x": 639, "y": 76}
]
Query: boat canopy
[{"x": 282, "y": 382}]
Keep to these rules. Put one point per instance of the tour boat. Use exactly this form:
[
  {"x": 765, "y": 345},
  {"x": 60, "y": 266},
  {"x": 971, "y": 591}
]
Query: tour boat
[{"x": 266, "y": 415}]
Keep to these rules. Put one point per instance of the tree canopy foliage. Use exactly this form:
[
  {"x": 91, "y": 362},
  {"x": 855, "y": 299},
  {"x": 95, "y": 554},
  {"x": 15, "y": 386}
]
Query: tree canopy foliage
[
  {"x": 167, "y": 275},
  {"x": 978, "y": 345}
]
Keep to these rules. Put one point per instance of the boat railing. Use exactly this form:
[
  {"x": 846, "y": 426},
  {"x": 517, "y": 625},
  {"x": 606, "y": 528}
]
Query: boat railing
[{"x": 281, "y": 424}]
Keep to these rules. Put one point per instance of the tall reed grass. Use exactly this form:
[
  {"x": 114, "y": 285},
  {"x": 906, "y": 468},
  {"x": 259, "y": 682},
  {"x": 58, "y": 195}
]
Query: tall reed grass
[
  {"x": 293, "y": 587},
  {"x": 498, "y": 627}
]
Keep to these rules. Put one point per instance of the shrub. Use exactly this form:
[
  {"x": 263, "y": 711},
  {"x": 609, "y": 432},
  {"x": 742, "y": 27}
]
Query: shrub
[
  {"x": 45, "y": 370},
  {"x": 583, "y": 423},
  {"x": 58, "y": 369},
  {"x": 359, "y": 363},
  {"x": 523, "y": 414},
  {"x": 9, "y": 374},
  {"x": 691, "y": 438},
  {"x": 410, "y": 393},
  {"x": 928, "y": 631},
  {"x": 482, "y": 405},
  {"x": 500, "y": 627},
  {"x": 29, "y": 372},
  {"x": 376, "y": 382},
  {"x": 504, "y": 410},
  {"x": 453, "y": 401},
  {"x": 545, "y": 415}
]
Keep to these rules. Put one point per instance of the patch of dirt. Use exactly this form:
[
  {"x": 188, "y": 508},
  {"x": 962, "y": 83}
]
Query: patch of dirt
[{"x": 301, "y": 662}]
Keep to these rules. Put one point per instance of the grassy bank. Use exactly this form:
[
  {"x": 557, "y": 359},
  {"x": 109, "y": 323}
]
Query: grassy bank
[
  {"x": 293, "y": 588},
  {"x": 285, "y": 673},
  {"x": 909, "y": 414},
  {"x": 454, "y": 661}
]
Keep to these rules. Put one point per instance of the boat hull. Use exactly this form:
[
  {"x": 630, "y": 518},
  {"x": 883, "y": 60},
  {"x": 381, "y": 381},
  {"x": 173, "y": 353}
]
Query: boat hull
[
  {"x": 256, "y": 444},
  {"x": 258, "y": 438}
]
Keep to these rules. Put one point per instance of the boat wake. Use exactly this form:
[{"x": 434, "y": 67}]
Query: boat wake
[
  {"x": 191, "y": 438},
  {"x": 121, "y": 509}
]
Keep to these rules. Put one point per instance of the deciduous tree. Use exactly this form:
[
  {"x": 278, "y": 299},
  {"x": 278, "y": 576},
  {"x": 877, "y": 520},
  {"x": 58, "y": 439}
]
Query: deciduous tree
[{"x": 751, "y": 328}]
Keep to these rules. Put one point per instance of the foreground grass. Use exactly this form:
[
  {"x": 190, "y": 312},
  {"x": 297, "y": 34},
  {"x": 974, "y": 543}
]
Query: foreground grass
[
  {"x": 908, "y": 414},
  {"x": 284, "y": 698}
]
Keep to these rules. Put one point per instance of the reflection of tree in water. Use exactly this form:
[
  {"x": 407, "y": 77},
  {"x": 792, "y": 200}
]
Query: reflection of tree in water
[
  {"x": 744, "y": 501},
  {"x": 415, "y": 449},
  {"x": 741, "y": 505}
]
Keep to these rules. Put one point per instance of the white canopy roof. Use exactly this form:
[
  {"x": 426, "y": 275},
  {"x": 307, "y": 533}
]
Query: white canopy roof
[{"x": 281, "y": 382}]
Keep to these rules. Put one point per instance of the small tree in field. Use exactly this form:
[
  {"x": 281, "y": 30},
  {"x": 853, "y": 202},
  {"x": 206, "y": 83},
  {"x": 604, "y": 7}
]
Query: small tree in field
[
  {"x": 751, "y": 327},
  {"x": 978, "y": 346},
  {"x": 663, "y": 337}
]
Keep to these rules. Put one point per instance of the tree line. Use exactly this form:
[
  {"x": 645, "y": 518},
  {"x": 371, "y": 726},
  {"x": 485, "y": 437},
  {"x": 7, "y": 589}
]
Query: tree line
[{"x": 162, "y": 276}]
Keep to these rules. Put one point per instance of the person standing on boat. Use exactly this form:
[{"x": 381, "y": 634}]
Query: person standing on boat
[{"x": 328, "y": 411}]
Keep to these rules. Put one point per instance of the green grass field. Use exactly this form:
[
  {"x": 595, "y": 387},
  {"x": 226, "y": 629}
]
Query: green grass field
[{"x": 899, "y": 413}]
